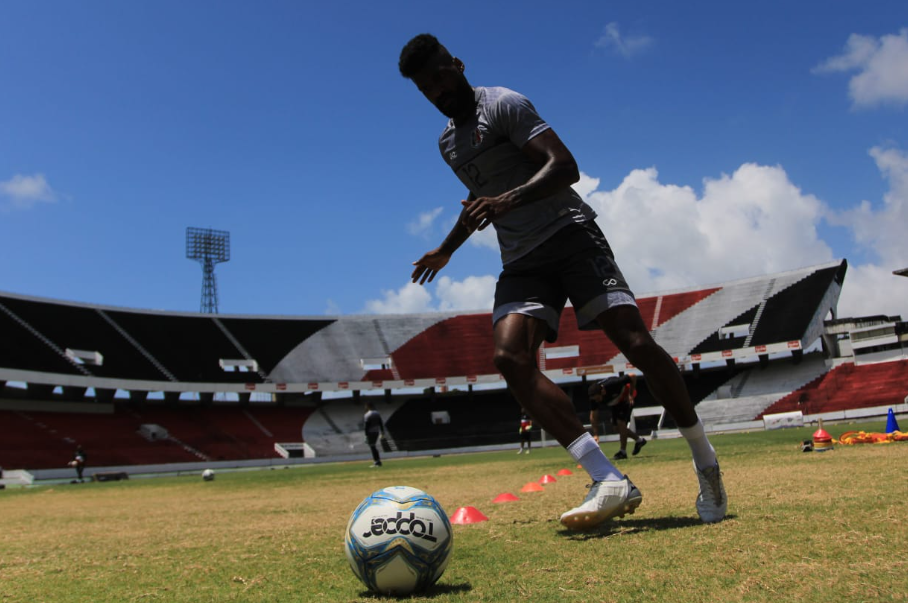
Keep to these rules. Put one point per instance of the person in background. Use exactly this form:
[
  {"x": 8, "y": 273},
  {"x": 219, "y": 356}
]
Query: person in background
[
  {"x": 375, "y": 429},
  {"x": 78, "y": 462},
  {"x": 617, "y": 394},
  {"x": 525, "y": 431}
]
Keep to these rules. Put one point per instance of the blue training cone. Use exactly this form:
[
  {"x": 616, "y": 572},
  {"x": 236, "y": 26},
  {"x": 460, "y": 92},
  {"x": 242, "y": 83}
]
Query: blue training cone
[{"x": 891, "y": 423}]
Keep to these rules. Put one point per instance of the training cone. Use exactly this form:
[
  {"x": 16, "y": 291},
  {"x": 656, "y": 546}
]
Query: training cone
[
  {"x": 891, "y": 423},
  {"x": 822, "y": 441},
  {"x": 532, "y": 487},
  {"x": 465, "y": 515},
  {"x": 506, "y": 497},
  {"x": 547, "y": 479},
  {"x": 563, "y": 472}
]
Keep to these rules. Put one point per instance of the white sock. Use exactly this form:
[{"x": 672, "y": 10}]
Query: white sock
[
  {"x": 703, "y": 452},
  {"x": 586, "y": 451}
]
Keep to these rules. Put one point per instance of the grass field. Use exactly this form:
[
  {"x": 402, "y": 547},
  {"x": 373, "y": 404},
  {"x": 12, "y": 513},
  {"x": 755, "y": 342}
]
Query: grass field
[{"x": 818, "y": 527}]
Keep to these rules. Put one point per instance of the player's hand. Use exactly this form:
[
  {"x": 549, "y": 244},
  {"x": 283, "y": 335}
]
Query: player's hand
[
  {"x": 428, "y": 266},
  {"x": 482, "y": 211}
]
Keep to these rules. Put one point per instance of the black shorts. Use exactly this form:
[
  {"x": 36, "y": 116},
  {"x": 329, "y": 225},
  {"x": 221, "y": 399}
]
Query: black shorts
[
  {"x": 621, "y": 412},
  {"x": 576, "y": 263}
]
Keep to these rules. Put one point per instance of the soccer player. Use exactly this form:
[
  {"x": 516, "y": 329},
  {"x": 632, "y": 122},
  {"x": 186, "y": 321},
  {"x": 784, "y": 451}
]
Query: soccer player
[
  {"x": 519, "y": 176},
  {"x": 617, "y": 394}
]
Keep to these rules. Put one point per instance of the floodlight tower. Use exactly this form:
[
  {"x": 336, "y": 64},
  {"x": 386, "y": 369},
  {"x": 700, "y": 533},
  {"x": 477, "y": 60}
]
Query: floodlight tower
[{"x": 208, "y": 247}]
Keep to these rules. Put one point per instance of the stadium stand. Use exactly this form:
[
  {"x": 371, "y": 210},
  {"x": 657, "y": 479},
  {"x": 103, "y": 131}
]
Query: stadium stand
[
  {"x": 47, "y": 439},
  {"x": 126, "y": 360},
  {"x": 848, "y": 386}
]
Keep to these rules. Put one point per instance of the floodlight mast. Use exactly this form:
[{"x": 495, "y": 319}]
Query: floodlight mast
[{"x": 209, "y": 247}]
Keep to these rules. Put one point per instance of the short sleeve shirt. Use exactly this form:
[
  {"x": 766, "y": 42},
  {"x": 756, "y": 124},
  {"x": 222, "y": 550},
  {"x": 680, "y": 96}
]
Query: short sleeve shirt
[
  {"x": 612, "y": 388},
  {"x": 484, "y": 152},
  {"x": 373, "y": 422}
]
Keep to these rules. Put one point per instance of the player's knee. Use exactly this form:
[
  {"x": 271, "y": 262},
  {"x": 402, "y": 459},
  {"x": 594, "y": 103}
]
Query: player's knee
[
  {"x": 509, "y": 362},
  {"x": 639, "y": 346}
]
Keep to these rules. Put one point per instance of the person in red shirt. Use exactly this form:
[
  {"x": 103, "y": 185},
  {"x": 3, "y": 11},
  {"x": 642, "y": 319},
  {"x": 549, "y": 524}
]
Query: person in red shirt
[
  {"x": 617, "y": 394},
  {"x": 526, "y": 437}
]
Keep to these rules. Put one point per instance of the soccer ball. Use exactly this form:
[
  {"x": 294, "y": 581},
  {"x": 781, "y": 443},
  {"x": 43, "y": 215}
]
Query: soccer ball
[
  {"x": 398, "y": 541},
  {"x": 208, "y": 475}
]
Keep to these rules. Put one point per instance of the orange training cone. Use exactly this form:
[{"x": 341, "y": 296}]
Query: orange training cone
[
  {"x": 506, "y": 497},
  {"x": 465, "y": 515},
  {"x": 532, "y": 487},
  {"x": 822, "y": 441},
  {"x": 563, "y": 472},
  {"x": 547, "y": 479}
]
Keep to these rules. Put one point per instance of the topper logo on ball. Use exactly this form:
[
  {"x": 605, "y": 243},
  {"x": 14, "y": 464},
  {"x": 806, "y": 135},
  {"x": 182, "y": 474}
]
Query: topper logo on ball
[{"x": 405, "y": 526}]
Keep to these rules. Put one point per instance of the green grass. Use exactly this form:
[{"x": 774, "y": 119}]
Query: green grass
[{"x": 817, "y": 527}]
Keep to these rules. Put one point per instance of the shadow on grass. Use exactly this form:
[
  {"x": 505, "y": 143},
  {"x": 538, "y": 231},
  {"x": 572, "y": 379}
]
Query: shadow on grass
[
  {"x": 633, "y": 526},
  {"x": 436, "y": 590}
]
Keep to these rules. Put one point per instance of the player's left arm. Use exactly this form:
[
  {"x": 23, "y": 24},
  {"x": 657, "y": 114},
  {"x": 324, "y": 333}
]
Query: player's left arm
[
  {"x": 557, "y": 171},
  {"x": 632, "y": 389}
]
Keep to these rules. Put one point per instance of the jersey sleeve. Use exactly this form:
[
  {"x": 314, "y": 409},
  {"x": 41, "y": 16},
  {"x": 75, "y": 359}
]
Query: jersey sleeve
[{"x": 514, "y": 116}]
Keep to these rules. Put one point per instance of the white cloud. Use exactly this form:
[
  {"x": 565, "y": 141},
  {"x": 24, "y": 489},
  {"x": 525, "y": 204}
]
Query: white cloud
[
  {"x": 485, "y": 238},
  {"x": 882, "y": 66},
  {"x": 472, "y": 293},
  {"x": 666, "y": 236},
  {"x": 24, "y": 192},
  {"x": 422, "y": 226},
  {"x": 872, "y": 288},
  {"x": 752, "y": 222},
  {"x": 409, "y": 299},
  {"x": 626, "y": 46}
]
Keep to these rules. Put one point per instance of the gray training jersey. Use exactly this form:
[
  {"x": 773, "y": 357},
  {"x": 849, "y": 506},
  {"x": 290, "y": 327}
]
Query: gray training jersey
[{"x": 484, "y": 152}]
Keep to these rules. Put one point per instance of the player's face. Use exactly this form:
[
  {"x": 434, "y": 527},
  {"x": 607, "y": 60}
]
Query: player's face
[{"x": 443, "y": 83}]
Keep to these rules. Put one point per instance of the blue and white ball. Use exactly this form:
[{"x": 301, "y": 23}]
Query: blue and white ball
[{"x": 399, "y": 541}]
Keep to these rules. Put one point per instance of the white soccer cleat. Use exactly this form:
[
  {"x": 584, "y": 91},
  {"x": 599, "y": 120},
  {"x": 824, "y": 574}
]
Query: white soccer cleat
[
  {"x": 712, "y": 503},
  {"x": 604, "y": 501}
]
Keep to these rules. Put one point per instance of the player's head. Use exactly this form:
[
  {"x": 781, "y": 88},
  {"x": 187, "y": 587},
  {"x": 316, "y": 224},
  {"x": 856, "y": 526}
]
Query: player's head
[{"x": 437, "y": 74}]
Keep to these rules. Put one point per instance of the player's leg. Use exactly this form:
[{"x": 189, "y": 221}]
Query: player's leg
[
  {"x": 601, "y": 296},
  {"x": 622, "y": 439},
  {"x": 624, "y": 326},
  {"x": 372, "y": 439},
  {"x": 517, "y": 338}
]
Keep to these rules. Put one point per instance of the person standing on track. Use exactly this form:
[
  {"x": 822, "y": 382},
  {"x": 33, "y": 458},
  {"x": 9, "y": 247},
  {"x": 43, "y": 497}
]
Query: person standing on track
[{"x": 519, "y": 175}]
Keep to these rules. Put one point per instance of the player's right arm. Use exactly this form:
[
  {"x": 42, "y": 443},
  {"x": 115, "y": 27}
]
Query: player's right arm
[{"x": 432, "y": 262}]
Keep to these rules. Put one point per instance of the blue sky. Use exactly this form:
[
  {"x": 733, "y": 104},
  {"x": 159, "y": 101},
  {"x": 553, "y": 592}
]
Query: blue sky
[{"x": 717, "y": 140}]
